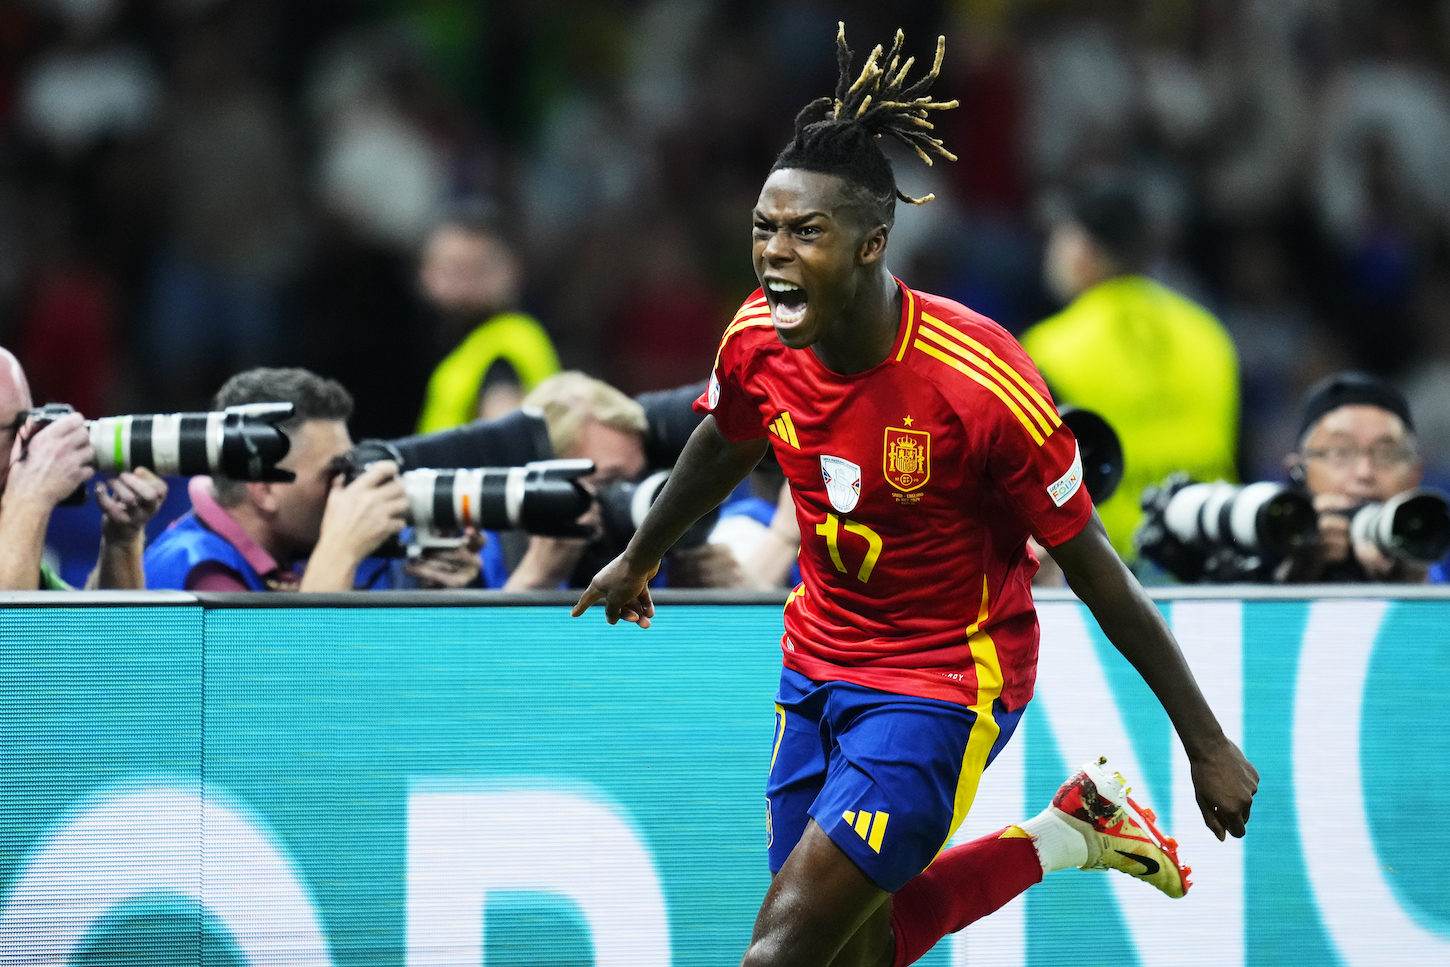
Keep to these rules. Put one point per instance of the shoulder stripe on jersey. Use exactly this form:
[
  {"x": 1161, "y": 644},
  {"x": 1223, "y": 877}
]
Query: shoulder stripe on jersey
[
  {"x": 754, "y": 305},
  {"x": 1047, "y": 408},
  {"x": 985, "y": 368},
  {"x": 992, "y": 385},
  {"x": 735, "y": 327},
  {"x": 910, "y": 321}
]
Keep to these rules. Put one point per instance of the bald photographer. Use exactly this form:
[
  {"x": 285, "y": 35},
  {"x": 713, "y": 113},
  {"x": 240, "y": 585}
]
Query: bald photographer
[{"x": 45, "y": 463}]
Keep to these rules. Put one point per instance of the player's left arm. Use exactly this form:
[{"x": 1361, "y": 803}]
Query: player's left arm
[{"x": 1223, "y": 779}]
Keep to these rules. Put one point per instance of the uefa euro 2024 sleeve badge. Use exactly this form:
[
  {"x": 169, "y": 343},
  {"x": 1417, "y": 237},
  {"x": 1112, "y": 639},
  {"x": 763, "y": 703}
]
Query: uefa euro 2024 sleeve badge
[
  {"x": 907, "y": 461},
  {"x": 843, "y": 482}
]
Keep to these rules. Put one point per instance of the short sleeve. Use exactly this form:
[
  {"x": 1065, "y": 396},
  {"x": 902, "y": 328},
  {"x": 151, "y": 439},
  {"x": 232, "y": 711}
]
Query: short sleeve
[
  {"x": 725, "y": 396},
  {"x": 1034, "y": 457},
  {"x": 1044, "y": 480}
]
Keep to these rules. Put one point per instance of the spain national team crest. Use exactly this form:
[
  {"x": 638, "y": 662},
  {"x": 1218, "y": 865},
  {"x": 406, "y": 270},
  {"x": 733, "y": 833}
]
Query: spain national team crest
[
  {"x": 907, "y": 462},
  {"x": 843, "y": 482}
]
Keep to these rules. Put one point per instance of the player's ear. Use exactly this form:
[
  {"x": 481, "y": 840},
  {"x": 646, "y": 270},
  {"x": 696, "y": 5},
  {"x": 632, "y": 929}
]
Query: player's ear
[{"x": 873, "y": 246}]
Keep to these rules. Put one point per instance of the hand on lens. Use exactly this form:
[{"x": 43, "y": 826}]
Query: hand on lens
[
  {"x": 441, "y": 568},
  {"x": 1333, "y": 544},
  {"x": 624, "y": 591},
  {"x": 128, "y": 501},
  {"x": 366, "y": 512},
  {"x": 48, "y": 464},
  {"x": 706, "y": 566}
]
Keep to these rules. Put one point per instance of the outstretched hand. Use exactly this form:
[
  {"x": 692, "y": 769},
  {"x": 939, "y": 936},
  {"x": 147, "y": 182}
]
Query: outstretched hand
[
  {"x": 624, "y": 591},
  {"x": 1224, "y": 784}
]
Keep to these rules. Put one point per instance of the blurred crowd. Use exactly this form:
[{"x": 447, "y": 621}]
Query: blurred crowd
[{"x": 192, "y": 187}]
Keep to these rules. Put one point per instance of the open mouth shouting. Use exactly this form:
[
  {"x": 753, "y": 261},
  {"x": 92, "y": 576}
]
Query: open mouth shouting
[{"x": 787, "y": 303}]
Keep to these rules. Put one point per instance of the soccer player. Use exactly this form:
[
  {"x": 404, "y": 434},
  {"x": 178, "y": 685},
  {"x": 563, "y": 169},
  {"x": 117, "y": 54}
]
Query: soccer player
[{"x": 922, "y": 450}]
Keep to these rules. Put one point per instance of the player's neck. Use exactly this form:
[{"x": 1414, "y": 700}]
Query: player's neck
[{"x": 863, "y": 335}]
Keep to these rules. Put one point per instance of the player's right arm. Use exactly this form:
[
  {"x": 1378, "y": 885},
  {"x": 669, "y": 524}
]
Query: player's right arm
[
  {"x": 710, "y": 467},
  {"x": 1224, "y": 780}
]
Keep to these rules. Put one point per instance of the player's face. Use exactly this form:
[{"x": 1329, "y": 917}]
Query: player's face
[
  {"x": 1361, "y": 452},
  {"x": 297, "y": 520},
  {"x": 808, "y": 253}
]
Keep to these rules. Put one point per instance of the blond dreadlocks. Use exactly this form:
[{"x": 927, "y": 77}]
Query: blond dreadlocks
[{"x": 837, "y": 135}]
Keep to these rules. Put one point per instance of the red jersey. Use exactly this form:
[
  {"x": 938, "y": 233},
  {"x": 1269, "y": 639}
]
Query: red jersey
[{"x": 916, "y": 484}]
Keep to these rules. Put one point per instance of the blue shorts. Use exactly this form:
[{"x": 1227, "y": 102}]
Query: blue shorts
[{"x": 888, "y": 777}]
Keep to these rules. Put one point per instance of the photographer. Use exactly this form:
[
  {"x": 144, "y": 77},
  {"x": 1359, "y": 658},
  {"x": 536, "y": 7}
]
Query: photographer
[
  {"x": 587, "y": 418},
  {"x": 248, "y": 536},
  {"x": 1356, "y": 446},
  {"x": 41, "y": 468}
]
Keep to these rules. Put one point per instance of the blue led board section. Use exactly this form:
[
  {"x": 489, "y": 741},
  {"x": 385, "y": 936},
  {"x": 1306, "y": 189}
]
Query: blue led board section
[{"x": 509, "y": 786}]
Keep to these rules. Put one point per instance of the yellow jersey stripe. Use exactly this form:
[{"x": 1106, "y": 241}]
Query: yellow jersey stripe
[
  {"x": 985, "y": 729},
  {"x": 733, "y": 329},
  {"x": 779, "y": 735},
  {"x": 1047, "y": 408},
  {"x": 790, "y": 429},
  {"x": 957, "y": 364},
  {"x": 910, "y": 322},
  {"x": 982, "y": 365}
]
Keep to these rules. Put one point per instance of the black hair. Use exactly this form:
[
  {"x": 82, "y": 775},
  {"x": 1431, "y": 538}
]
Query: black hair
[
  {"x": 837, "y": 135},
  {"x": 1109, "y": 210},
  {"x": 312, "y": 397},
  {"x": 475, "y": 216},
  {"x": 1351, "y": 389}
]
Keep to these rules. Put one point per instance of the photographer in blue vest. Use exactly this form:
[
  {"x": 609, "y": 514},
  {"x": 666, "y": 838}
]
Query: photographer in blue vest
[
  {"x": 252, "y": 536},
  {"x": 40, "y": 466}
]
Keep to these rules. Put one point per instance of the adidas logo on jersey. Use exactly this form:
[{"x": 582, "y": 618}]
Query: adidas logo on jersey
[
  {"x": 782, "y": 427},
  {"x": 868, "y": 825}
]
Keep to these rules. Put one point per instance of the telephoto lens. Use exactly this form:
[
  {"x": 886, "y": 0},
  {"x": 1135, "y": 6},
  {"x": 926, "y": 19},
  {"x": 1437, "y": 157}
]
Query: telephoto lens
[
  {"x": 240, "y": 442},
  {"x": 1222, "y": 532},
  {"x": 1411, "y": 526},
  {"x": 543, "y": 497},
  {"x": 624, "y": 504},
  {"x": 1257, "y": 519}
]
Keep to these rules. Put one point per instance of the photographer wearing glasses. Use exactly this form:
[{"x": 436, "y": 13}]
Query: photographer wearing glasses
[
  {"x": 40, "y": 467},
  {"x": 1356, "y": 447}
]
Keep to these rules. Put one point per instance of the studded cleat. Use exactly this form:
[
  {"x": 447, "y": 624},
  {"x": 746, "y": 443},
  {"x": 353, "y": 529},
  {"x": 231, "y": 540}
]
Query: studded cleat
[{"x": 1095, "y": 802}]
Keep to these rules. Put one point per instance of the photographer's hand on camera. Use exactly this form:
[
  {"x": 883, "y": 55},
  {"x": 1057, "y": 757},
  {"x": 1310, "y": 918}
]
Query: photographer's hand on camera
[
  {"x": 359, "y": 517},
  {"x": 1335, "y": 549},
  {"x": 46, "y": 465},
  {"x": 127, "y": 501},
  {"x": 445, "y": 568}
]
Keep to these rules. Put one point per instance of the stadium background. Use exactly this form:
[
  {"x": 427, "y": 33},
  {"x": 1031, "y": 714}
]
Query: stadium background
[{"x": 191, "y": 187}]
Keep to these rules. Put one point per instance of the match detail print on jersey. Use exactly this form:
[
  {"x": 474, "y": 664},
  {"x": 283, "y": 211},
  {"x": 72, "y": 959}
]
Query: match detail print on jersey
[
  {"x": 907, "y": 460},
  {"x": 843, "y": 482},
  {"x": 1064, "y": 487}
]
